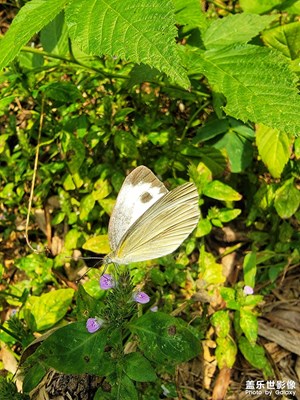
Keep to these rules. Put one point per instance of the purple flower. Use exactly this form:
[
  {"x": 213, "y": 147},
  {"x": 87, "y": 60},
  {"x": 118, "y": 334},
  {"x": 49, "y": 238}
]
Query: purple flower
[
  {"x": 107, "y": 282},
  {"x": 248, "y": 290},
  {"x": 94, "y": 324},
  {"x": 141, "y": 297}
]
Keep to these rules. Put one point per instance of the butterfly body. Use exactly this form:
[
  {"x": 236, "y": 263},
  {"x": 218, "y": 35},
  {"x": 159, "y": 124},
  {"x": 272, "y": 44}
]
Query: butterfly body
[{"x": 148, "y": 221}]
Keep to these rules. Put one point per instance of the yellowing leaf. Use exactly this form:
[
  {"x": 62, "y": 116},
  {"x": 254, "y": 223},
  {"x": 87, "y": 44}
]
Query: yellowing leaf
[{"x": 98, "y": 244}]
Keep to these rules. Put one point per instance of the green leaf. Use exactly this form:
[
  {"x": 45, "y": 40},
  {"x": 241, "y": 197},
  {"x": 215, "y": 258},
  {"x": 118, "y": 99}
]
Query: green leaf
[
  {"x": 164, "y": 338},
  {"x": 287, "y": 199},
  {"x": 274, "y": 147},
  {"x": 211, "y": 272},
  {"x": 255, "y": 355},
  {"x": 212, "y": 158},
  {"x": 221, "y": 322},
  {"x": 285, "y": 38},
  {"x": 238, "y": 148},
  {"x": 124, "y": 389},
  {"x": 31, "y": 18},
  {"x": 126, "y": 144},
  {"x": 262, "y": 92},
  {"x": 62, "y": 92},
  {"x": 143, "y": 32},
  {"x": 46, "y": 310},
  {"x": 102, "y": 189},
  {"x": 73, "y": 350},
  {"x": 204, "y": 228},
  {"x": 86, "y": 305},
  {"x": 33, "y": 377},
  {"x": 75, "y": 151},
  {"x": 249, "y": 267},
  {"x": 219, "y": 191},
  {"x": 210, "y": 130},
  {"x": 228, "y": 295},
  {"x": 73, "y": 239},
  {"x": 260, "y": 7},
  {"x": 242, "y": 28},
  {"x": 54, "y": 36},
  {"x": 138, "y": 368},
  {"x": 188, "y": 12},
  {"x": 97, "y": 244},
  {"x": 249, "y": 325},
  {"x": 227, "y": 215},
  {"x": 142, "y": 73},
  {"x": 86, "y": 205},
  {"x": 226, "y": 352}
]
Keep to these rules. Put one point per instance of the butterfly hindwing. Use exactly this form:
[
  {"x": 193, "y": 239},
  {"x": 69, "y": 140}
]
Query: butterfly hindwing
[
  {"x": 140, "y": 190},
  {"x": 161, "y": 229}
]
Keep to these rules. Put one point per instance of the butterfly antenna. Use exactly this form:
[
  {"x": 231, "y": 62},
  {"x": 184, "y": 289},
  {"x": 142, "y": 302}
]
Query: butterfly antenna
[{"x": 94, "y": 266}]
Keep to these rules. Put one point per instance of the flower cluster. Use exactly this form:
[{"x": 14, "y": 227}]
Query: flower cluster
[{"x": 107, "y": 282}]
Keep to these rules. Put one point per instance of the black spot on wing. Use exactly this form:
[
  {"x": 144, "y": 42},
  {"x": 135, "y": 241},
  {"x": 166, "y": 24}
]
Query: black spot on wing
[{"x": 146, "y": 197}]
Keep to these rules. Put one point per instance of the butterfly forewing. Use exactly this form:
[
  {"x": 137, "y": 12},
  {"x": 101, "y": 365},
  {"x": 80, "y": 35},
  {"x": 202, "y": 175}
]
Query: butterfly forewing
[
  {"x": 161, "y": 229},
  {"x": 140, "y": 190}
]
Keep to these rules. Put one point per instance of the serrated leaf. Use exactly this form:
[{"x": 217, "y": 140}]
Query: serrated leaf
[
  {"x": 263, "y": 91},
  {"x": 32, "y": 17},
  {"x": 97, "y": 244},
  {"x": 143, "y": 32},
  {"x": 285, "y": 38},
  {"x": 274, "y": 147},
  {"x": 242, "y": 28},
  {"x": 287, "y": 199}
]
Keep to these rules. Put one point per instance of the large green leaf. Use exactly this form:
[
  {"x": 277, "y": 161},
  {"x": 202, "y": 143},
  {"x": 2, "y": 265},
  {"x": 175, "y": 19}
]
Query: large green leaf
[
  {"x": 30, "y": 20},
  {"x": 54, "y": 36},
  {"x": 164, "y": 338},
  {"x": 73, "y": 350},
  {"x": 142, "y": 32},
  {"x": 242, "y": 28},
  {"x": 274, "y": 147},
  {"x": 285, "y": 38},
  {"x": 257, "y": 83}
]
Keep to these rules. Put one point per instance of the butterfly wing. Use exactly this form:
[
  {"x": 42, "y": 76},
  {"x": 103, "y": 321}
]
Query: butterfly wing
[
  {"x": 162, "y": 228},
  {"x": 140, "y": 190}
]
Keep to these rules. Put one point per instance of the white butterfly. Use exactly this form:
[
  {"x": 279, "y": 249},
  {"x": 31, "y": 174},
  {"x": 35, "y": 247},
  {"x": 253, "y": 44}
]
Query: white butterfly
[{"x": 148, "y": 221}]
